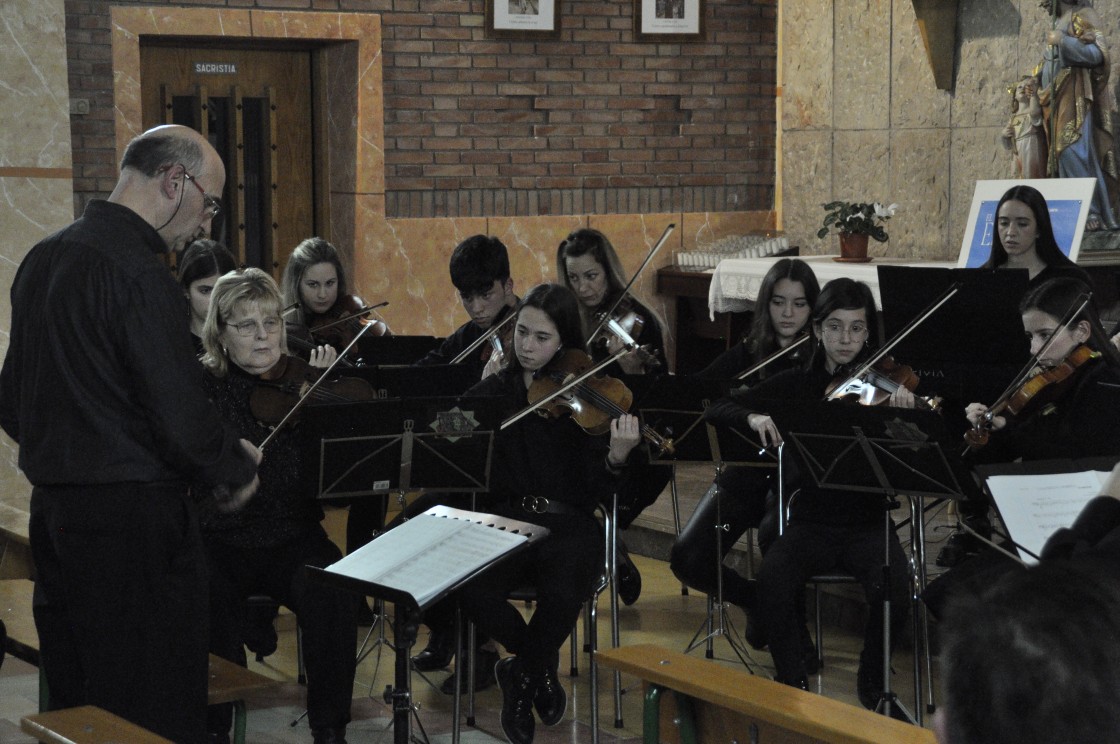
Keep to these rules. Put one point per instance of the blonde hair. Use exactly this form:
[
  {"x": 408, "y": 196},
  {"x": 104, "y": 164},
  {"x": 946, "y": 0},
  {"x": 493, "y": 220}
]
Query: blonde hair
[{"x": 231, "y": 291}]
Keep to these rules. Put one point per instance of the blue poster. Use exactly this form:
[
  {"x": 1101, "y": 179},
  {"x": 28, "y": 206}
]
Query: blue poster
[{"x": 1063, "y": 215}]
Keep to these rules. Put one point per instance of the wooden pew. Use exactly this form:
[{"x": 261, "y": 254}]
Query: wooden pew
[
  {"x": 86, "y": 724},
  {"x": 228, "y": 682},
  {"x": 716, "y": 703}
]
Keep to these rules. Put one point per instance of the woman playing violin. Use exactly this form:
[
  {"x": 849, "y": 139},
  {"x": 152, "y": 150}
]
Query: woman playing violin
[
  {"x": 827, "y": 530},
  {"x": 264, "y": 548},
  {"x": 587, "y": 263},
  {"x": 784, "y": 303},
  {"x": 316, "y": 282},
  {"x": 549, "y": 472},
  {"x": 199, "y": 268}
]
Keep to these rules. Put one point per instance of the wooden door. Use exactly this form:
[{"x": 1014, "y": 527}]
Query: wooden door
[{"x": 255, "y": 107}]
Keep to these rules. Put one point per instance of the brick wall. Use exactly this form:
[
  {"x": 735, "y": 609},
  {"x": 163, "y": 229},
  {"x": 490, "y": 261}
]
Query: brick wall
[{"x": 590, "y": 123}]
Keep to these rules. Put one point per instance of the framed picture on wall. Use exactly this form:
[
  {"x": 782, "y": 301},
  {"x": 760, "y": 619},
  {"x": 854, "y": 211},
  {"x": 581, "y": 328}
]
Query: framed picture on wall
[
  {"x": 669, "y": 20},
  {"x": 523, "y": 19}
]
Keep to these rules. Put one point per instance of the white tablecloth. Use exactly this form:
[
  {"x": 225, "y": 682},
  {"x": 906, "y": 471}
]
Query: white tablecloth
[{"x": 736, "y": 281}]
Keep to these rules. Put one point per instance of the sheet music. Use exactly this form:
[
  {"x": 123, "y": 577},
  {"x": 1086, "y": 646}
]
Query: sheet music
[
  {"x": 427, "y": 554},
  {"x": 1034, "y": 507}
]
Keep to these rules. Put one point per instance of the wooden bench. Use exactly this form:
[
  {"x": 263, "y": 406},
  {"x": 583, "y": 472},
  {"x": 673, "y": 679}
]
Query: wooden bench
[
  {"x": 228, "y": 682},
  {"x": 86, "y": 724},
  {"x": 720, "y": 703}
]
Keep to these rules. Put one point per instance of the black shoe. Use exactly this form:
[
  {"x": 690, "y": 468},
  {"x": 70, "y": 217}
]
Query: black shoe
[
  {"x": 518, "y": 690},
  {"x": 800, "y": 683},
  {"x": 869, "y": 681},
  {"x": 959, "y": 547},
  {"x": 439, "y": 652},
  {"x": 629, "y": 580},
  {"x": 259, "y": 633},
  {"x": 484, "y": 662},
  {"x": 329, "y": 735},
  {"x": 551, "y": 700}
]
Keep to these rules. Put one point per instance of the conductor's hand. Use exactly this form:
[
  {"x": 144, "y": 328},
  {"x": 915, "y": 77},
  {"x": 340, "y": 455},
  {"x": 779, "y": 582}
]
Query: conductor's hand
[
  {"x": 766, "y": 429},
  {"x": 625, "y": 435},
  {"x": 322, "y": 357},
  {"x": 231, "y": 501}
]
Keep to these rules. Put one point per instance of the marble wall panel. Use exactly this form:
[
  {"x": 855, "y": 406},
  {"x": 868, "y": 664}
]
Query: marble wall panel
[
  {"x": 975, "y": 155},
  {"x": 987, "y": 63},
  {"x": 806, "y": 185},
  {"x": 862, "y": 94},
  {"x": 701, "y": 229},
  {"x": 807, "y": 87},
  {"x": 915, "y": 100},
  {"x": 33, "y": 89},
  {"x": 919, "y": 182},
  {"x": 532, "y": 243}
]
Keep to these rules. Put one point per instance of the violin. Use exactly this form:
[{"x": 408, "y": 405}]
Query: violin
[
  {"x": 874, "y": 386},
  {"x": 341, "y": 323},
  {"x": 279, "y": 389},
  {"x": 1042, "y": 388},
  {"x": 593, "y": 403}
]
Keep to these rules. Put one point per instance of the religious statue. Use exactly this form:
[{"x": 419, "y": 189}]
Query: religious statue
[
  {"x": 1077, "y": 104},
  {"x": 1024, "y": 134}
]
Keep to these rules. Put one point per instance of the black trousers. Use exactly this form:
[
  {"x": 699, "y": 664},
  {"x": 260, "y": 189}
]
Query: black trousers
[
  {"x": 562, "y": 568},
  {"x": 327, "y": 617},
  {"x": 120, "y": 603},
  {"x": 742, "y": 499},
  {"x": 807, "y": 549}
]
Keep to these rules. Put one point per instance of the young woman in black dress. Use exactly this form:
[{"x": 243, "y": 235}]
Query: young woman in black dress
[{"x": 550, "y": 472}]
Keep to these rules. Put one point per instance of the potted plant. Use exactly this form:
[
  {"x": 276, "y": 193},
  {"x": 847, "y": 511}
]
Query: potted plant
[{"x": 856, "y": 222}]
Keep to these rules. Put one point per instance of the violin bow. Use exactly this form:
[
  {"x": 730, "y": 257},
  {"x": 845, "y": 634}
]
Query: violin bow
[
  {"x": 307, "y": 395},
  {"x": 575, "y": 382},
  {"x": 356, "y": 314},
  {"x": 773, "y": 357},
  {"x": 886, "y": 348},
  {"x": 618, "y": 300},
  {"x": 485, "y": 337}
]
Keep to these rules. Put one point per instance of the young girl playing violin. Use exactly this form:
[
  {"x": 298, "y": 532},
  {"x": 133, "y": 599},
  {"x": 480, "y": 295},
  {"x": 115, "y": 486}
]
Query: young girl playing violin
[
  {"x": 1024, "y": 239},
  {"x": 264, "y": 547},
  {"x": 199, "y": 268},
  {"x": 550, "y": 472},
  {"x": 827, "y": 530},
  {"x": 587, "y": 263},
  {"x": 315, "y": 281},
  {"x": 784, "y": 303}
]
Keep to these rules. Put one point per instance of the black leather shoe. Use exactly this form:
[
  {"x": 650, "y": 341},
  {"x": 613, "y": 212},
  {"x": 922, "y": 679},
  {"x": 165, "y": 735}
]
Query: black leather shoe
[
  {"x": 484, "y": 662},
  {"x": 518, "y": 690},
  {"x": 551, "y": 700},
  {"x": 629, "y": 580},
  {"x": 329, "y": 735},
  {"x": 438, "y": 653}
]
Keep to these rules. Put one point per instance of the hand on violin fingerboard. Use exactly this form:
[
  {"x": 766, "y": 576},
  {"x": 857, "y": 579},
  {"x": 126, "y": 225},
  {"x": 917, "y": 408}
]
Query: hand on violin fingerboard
[
  {"x": 902, "y": 398},
  {"x": 322, "y": 357},
  {"x": 976, "y": 412},
  {"x": 625, "y": 436}
]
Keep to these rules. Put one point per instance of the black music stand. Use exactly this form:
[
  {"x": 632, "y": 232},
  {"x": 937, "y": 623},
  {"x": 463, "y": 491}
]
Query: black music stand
[
  {"x": 418, "y": 564},
  {"x": 675, "y": 406},
  {"x": 394, "y": 350},
  {"x": 879, "y": 450},
  {"x": 390, "y": 381}
]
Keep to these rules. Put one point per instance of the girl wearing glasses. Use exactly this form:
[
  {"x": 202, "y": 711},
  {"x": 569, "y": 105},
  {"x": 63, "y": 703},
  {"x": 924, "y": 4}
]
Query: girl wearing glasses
[
  {"x": 263, "y": 548},
  {"x": 827, "y": 530},
  {"x": 316, "y": 284}
]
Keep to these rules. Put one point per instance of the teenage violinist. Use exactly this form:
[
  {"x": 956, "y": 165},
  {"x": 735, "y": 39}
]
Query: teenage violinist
[
  {"x": 550, "y": 472},
  {"x": 826, "y": 530},
  {"x": 1073, "y": 417},
  {"x": 1024, "y": 239},
  {"x": 316, "y": 282},
  {"x": 264, "y": 548},
  {"x": 785, "y": 300},
  {"x": 587, "y": 263},
  {"x": 199, "y": 267}
]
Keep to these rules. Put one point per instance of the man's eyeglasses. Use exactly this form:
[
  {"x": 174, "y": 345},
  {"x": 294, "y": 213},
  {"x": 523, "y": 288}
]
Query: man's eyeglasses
[
  {"x": 249, "y": 327},
  {"x": 213, "y": 206}
]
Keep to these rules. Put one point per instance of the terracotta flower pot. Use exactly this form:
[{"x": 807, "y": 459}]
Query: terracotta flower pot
[{"x": 853, "y": 246}]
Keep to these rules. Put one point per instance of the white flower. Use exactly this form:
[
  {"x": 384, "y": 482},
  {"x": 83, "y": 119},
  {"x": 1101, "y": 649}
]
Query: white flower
[{"x": 885, "y": 212}]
